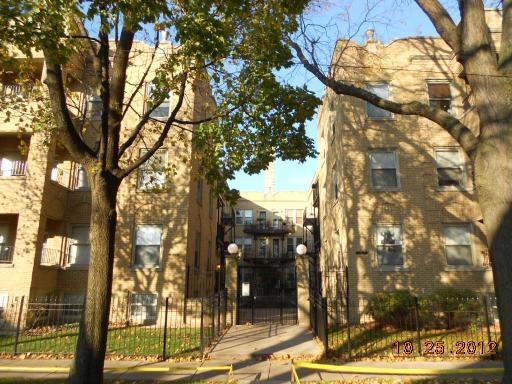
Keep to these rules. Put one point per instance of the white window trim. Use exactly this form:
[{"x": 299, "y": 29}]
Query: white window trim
[
  {"x": 451, "y": 267},
  {"x": 134, "y": 245},
  {"x": 390, "y": 93},
  {"x": 397, "y": 170},
  {"x": 463, "y": 166},
  {"x": 389, "y": 268}
]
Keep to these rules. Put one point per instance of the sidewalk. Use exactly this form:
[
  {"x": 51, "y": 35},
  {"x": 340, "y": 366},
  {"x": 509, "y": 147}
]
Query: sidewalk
[{"x": 258, "y": 354}]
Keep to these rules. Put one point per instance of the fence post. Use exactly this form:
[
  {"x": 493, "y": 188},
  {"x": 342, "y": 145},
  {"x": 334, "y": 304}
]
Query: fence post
[
  {"x": 416, "y": 317},
  {"x": 18, "y": 325},
  {"x": 252, "y": 309},
  {"x": 325, "y": 321},
  {"x": 164, "y": 352},
  {"x": 347, "y": 299},
  {"x": 281, "y": 306},
  {"x": 212, "y": 306},
  {"x": 487, "y": 319},
  {"x": 201, "y": 328},
  {"x": 218, "y": 311}
]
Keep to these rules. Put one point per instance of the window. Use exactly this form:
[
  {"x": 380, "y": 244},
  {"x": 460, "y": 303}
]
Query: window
[
  {"x": 148, "y": 238},
  {"x": 381, "y": 90},
  {"x": 245, "y": 245},
  {"x": 262, "y": 248},
  {"x": 276, "y": 219},
  {"x": 439, "y": 95},
  {"x": 80, "y": 247},
  {"x": 294, "y": 216},
  {"x": 389, "y": 246},
  {"x": 143, "y": 308},
  {"x": 291, "y": 245},
  {"x": 94, "y": 107},
  {"x": 262, "y": 219},
  {"x": 152, "y": 174},
  {"x": 81, "y": 178},
  {"x": 162, "y": 111},
  {"x": 276, "y": 249},
  {"x": 197, "y": 252},
  {"x": 11, "y": 164},
  {"x": 450, "y": 168},
  {"x": 384, "y": 169},
  {"x": 457, "y": 244},
  {"x": 244, "y": 216}
]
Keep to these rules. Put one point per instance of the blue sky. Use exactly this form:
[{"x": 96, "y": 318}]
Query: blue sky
[{"x": 391, "y": 19}]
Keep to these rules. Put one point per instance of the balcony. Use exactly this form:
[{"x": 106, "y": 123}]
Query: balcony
[
  {"x": 269, "y": 228},
  {"x": 266, "y": 254},
  {"x": 6, "y": 253},
  {"x": 13, "y": 167}
]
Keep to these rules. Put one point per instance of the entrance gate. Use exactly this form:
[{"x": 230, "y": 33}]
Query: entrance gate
[{"x": 267, "y": 293}]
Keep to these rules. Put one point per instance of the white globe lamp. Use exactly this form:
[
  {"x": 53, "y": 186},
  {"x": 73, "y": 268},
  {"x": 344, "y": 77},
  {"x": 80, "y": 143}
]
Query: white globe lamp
[
  {"x": 233, "y": 249},
  {"x": 302, "y": 249}
]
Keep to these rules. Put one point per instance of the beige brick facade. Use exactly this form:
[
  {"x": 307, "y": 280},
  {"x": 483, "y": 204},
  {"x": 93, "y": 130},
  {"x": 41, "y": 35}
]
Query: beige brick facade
[
  {"x": 398, "y": 183},
  {"x": 45, "y": 204}
]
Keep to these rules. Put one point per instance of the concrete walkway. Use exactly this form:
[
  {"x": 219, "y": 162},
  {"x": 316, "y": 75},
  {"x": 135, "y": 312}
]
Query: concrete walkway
[
  {"x": 258, "y": 354},
  {"x": 259, "y": 341}
]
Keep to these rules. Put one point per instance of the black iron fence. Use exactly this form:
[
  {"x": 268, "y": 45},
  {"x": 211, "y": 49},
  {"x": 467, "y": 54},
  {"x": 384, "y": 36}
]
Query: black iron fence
[
  {"x": 139, "y": 326},
  {"x": 407, "y": 326}
]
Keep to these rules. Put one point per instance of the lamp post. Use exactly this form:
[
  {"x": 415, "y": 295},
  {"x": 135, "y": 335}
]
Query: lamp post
[{"x": 233, "y": 249}]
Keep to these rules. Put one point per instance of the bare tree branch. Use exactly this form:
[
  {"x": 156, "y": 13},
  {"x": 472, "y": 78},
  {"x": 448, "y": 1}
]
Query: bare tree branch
[
  {"x": 459, "y": 131},
  {"x": 443, "y": 22}
]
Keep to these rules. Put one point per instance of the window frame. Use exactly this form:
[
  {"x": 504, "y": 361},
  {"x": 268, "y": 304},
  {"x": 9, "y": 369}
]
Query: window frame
[
  {"x": 390, "y": 267},
  {"x": 158, "y": 265},
  {"x": 370, "y": 88},
  {"x": 398, "y": 186},
  {"x": 469, "y": 227},
  {"x": 462, "y": 166}
]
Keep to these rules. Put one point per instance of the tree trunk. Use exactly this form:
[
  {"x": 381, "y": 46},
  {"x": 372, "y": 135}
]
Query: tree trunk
[
  {"x": 493, "y": 175},
  {"x": 92, "y": 340}
]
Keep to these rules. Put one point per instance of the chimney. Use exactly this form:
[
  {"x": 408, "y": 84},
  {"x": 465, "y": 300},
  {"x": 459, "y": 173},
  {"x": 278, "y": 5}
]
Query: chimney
[{"x": 270, "y": 179}]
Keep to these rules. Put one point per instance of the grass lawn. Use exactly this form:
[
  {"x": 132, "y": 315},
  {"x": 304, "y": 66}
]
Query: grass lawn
[
  {"x": 370, "y": 342},
  {"x": 18, "y": 380},
  {"x": 135, "y": 340}
]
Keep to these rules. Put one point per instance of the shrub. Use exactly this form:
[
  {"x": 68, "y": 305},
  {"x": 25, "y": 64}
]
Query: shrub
[
  {"x": 450, "y": 308},
  {"x": 392, "y": 308}
]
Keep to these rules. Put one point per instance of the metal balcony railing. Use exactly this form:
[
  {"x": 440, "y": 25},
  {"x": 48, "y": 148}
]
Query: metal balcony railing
[
  {"x": 15, "y": 168},
  {"x": 6, "y": 253}
]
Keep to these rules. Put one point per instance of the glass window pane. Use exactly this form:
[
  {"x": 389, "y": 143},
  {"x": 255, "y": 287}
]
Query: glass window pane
[
  {"x": 382, "y": 160},
  {"x": 459, "y": 255},
  {"x": 148, "y": 235},
  {"x": 390, "y": 255},
  {"x": 448, "y": 159},
  {"x": 389, "y": 235},
  {"x": 384, "y": 178},
  {"x": 456, "y": 235},
  {"x": 449, "y": 177},
  {"x": 439, "y": 90},
  {"x": 147, "y": 255},
  {"x": 381, "y": 90}
]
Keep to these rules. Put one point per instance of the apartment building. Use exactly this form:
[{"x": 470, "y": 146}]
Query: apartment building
[
  {"x": 395, "y": 194},
  {"x": 268, "y": 227},
  {"x": 166, "y": 242}
]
